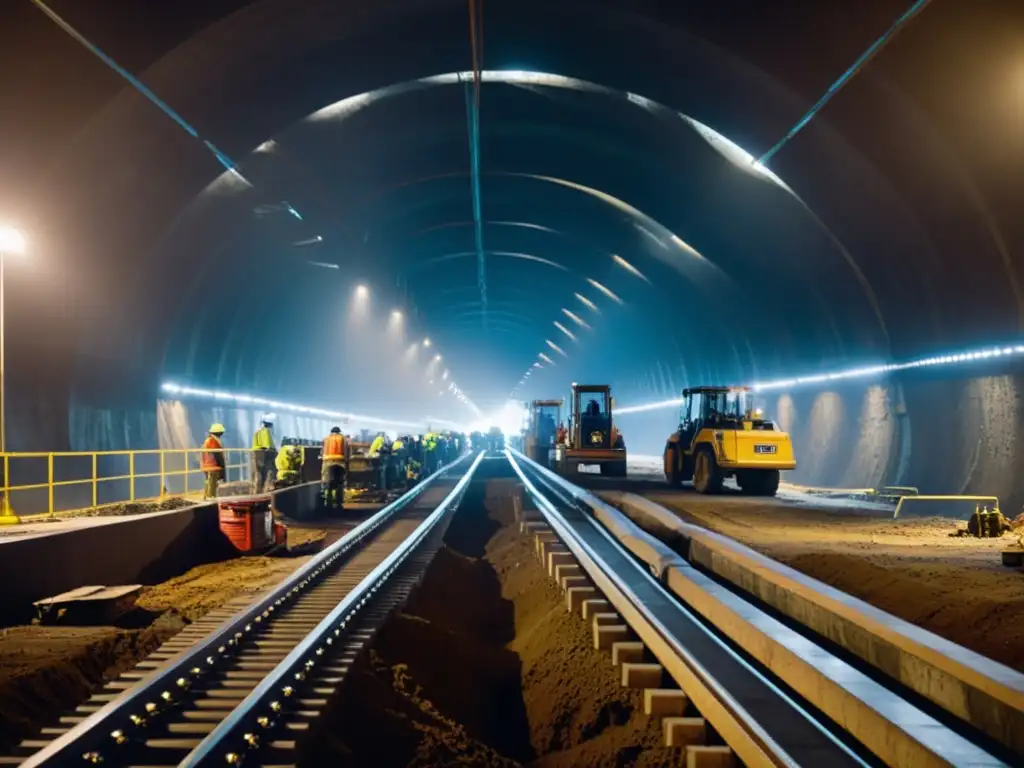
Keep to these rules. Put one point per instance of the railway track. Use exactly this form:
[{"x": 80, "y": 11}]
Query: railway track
[
  {"x": 250, "y": 679},
  {"x": 718, "y": 700}
]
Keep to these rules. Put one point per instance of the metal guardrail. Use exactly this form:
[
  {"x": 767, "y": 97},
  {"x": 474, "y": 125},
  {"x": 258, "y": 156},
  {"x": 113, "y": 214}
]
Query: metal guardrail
[
  {"x": 113, "y": 725},
  {"x": 262, "y": 705},
  {"x": 752, "y": 744},
  {"x": 66, "y": 481},
  {"x": 916, "y": 498}
]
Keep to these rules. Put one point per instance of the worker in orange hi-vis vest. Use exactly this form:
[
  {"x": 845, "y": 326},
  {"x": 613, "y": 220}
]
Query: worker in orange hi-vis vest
[
  {"x": 212, "y": 460},
  {"x": 332, "y": 476}
]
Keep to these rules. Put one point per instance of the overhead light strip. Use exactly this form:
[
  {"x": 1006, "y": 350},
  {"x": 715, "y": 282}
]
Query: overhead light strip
[
  {"x": 955, "y": 358},
  {"x": 235, "y": 398}
]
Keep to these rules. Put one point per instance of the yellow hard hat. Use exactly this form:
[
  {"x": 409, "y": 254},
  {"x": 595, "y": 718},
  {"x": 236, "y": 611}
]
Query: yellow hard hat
[{"x": 217, "y": 428}]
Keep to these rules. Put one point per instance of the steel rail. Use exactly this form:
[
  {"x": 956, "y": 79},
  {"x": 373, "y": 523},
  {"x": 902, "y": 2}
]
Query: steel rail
[
  {"x": 262, "y": 708},
  {"x": 942, "y": 744},
  {"x": 158, "y": 692},
  {"x": 649, "y": 617}
]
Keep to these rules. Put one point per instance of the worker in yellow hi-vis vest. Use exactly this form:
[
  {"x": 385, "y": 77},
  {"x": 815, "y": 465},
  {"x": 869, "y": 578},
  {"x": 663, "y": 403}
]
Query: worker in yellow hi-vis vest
[{"x": 263, "y": 455}]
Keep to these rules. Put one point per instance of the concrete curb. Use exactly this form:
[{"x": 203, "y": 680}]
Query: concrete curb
[
  {"x": 976, "y": 689},
  {"x": 140, "y": 549}
]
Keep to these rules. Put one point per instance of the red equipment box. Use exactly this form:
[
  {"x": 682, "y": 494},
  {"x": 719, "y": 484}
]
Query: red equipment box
[{"x": 248, "y": 523}]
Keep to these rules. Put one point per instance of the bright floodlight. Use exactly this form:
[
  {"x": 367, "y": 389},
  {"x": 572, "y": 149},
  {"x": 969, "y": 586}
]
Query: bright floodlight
[
  {"x": 362, "y": 291},
  {"x": 426, "y": 342},
  {"x": 12, "y": 241},
  {"x": 396, "y": 315},
  {"x": 437, "y": 358}
]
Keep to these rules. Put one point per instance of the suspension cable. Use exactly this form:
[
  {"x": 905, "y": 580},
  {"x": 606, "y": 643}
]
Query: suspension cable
[
  {"x": 858, "y": 65},
  {"x": 473, "y": 115}
]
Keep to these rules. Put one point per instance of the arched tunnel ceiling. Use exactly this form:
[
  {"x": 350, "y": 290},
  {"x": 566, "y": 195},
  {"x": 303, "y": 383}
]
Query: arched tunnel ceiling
[{"x": 604, "y": 178}]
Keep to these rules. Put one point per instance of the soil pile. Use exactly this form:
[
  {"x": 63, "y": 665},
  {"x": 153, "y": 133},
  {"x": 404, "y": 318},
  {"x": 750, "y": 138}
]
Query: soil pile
[
  {"x": 45, "y": 670},
  {"x": 207, "y": 587},
  {"x": 484, "y": 667},
  {"x": 955, "y": 587}
]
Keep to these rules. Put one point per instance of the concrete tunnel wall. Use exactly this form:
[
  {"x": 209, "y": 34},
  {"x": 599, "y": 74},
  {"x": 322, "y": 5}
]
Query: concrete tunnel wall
[
  {"x": 944, "y": 433},
  {"x": 177, "y": 424}
]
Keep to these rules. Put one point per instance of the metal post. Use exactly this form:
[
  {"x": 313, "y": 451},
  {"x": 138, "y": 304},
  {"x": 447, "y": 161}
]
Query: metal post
[
  {"x": 163, "y": 487},
  {"x": 3, "y": 412},
  {"x": 49, "y": 478},
  {"x": 95, "y": 481},
  {"x": 184, "y": 464},
  {"x": 131, "y": 476}
]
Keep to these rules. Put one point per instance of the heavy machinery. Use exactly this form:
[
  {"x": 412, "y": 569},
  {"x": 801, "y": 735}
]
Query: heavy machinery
[
  {"x": 592, "y": 437},
  {"x": 495, "y": 440},
  {"x": 722, "y": 435},
  {"x": 539, "y": 439}
]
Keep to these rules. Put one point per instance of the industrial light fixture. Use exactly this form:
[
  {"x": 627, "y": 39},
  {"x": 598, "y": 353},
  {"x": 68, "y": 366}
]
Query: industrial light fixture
[
  {"x": 426, "y": 342},
  {"x": 362, "y": 291}
]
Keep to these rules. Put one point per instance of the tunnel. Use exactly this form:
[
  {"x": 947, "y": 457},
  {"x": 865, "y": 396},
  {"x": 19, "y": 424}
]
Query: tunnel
[{"x": 397, "y": 215}]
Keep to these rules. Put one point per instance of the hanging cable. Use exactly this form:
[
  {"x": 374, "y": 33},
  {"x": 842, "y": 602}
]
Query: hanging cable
[
  {"x": 139, "y": 86},
  {"x": 858, "y": 65},
  {"x": 473, "y": 117}
]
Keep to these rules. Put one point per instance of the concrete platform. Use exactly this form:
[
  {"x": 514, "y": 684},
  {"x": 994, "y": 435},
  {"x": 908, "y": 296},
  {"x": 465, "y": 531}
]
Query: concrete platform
[
  {"x": 982, "y": 692},
  {"x": 38, "y": 560},
  {"x": 145, "y": 549}
]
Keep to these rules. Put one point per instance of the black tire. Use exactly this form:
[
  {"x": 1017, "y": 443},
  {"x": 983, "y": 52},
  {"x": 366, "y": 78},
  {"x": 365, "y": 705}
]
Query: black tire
[
  {"x": 707, "y": 475},
  {"x": 767, "y": 482},
  {"x": 614, "y": 469},
  {"x": 673, "y": 478}
]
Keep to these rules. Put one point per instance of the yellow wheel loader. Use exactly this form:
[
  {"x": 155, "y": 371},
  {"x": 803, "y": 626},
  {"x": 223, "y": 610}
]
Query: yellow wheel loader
[{"x": 722, "y": 435}]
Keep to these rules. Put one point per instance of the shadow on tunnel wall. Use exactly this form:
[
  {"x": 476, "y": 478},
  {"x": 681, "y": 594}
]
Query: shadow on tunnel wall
[{"x": 941, "y": 433}]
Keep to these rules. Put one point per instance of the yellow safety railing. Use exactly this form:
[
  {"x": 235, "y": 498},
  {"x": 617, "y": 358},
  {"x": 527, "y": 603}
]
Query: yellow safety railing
[
  {"x": 70, "y": 481},
  {"x": 994, "y": 500}
]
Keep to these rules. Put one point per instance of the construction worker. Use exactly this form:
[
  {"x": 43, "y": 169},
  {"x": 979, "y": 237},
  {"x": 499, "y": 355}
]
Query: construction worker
[
  {"x": 263, "y": 454},
  {"x": 398, "y": 460},
  {"x": 212, "y": 460},
  {"x": 332, "y": 477},
  {"x": 561, "y": 434},
  {"x": 288, "y": 463},
  {"x": 378, "y": 455},
  {"x": 430, "y": 452}
]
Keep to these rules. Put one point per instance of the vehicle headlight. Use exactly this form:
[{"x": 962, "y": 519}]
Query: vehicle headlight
[{"x": 596, "y": 437}]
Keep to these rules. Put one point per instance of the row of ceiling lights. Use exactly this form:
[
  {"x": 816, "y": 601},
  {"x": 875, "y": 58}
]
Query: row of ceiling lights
[
  {"x": 543, "y": 359},
  {"x": 362, "y": 294}
]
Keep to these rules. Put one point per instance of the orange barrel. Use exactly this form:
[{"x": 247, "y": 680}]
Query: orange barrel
[{"x": 248, "y": 523}]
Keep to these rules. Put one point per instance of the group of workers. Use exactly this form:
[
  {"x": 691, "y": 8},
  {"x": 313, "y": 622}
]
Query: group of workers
[{"x": 396, "y": 462}]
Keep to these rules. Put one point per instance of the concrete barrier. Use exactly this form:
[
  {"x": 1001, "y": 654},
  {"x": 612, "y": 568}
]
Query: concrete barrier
[
  {"x": 898, "y": 734},
  {"x": 644, "y": 546},
  {"x": 976, "y": 689},
  {"x": 141, "y": 549},
  {"x": 300, "y": 502}
]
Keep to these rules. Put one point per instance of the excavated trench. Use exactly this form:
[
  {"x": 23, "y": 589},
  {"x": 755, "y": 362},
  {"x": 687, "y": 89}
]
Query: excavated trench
[{"x": 483, "y": 666}]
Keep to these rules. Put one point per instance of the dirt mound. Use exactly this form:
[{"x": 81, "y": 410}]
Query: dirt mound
[
  {"x": 44, "y": 670},
  {"x": 308, "y": 538},
  {"x": 578, "y": 712},
  {"x": 485, "y": 667},
  {"x": 48, "y": 670},
  {"x": 984, "y": 612},
  {"x": 912, "y": 568},
  {"x": 207, "y": 587}
]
